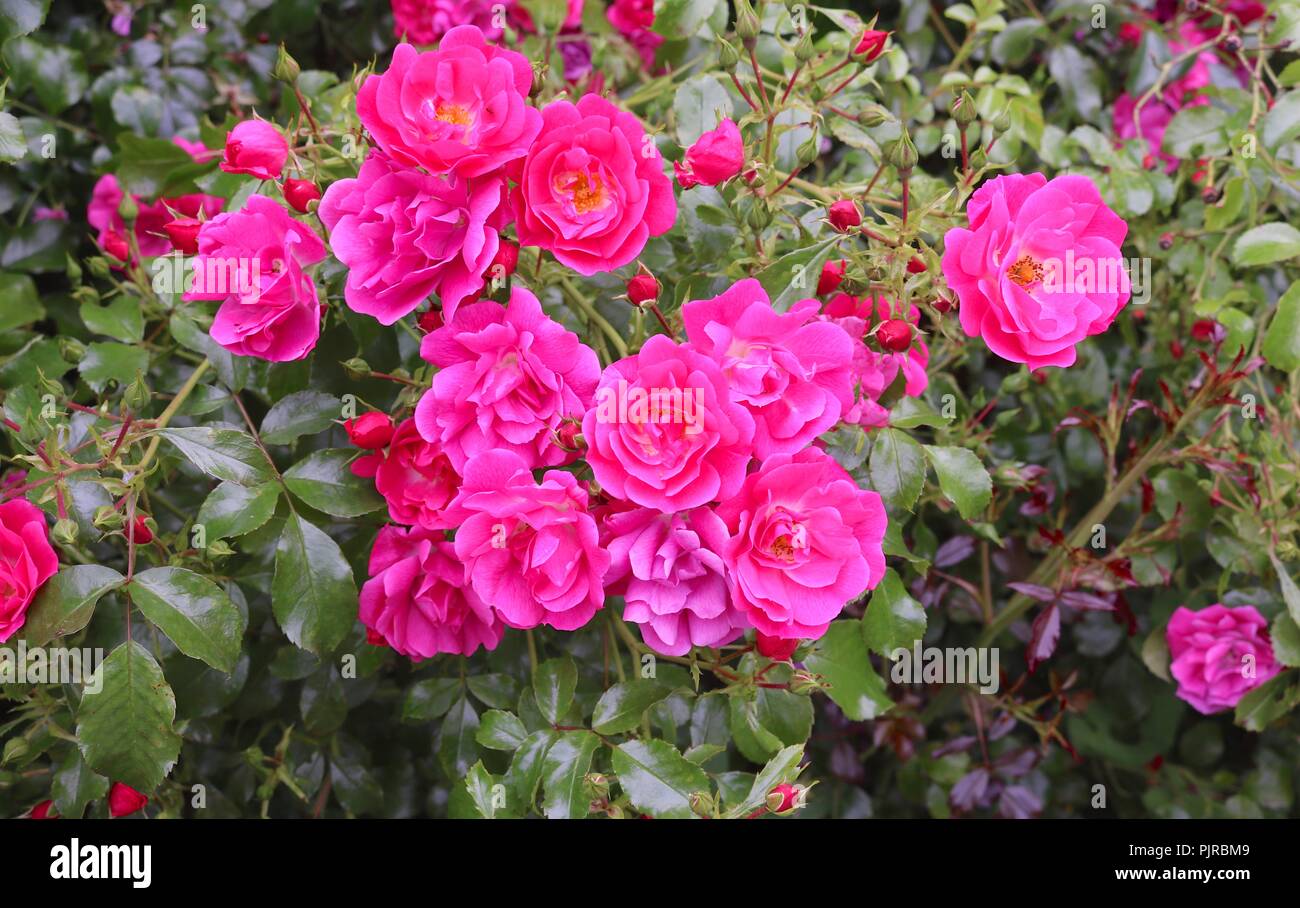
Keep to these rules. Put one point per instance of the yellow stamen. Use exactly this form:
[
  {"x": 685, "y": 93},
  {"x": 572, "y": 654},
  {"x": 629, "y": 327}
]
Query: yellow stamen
[{"x": 1025, "y": 271}]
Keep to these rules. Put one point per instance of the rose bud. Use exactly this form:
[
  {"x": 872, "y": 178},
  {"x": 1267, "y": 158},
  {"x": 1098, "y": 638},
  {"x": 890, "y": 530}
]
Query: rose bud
[
  {"x": 569, "y": 435},
  {"x": 300, "y": 193},
  {"x": 115, "y": 245},
  {"x": 257, "y": 148},
  {"x": 1176, "y": 348},
  {"x": 1203, "y": 329},
  {"x": 942, "y": 304},
  {"x": 143, "y": 535},
  {"x": 42, "y": 811},
  {"x": 184, "y": 234},
  {"x": 507, "y": 257},
  {"x": 430, "y": 320},
  {"x": 778, "y": 649},
  {"x": 643, "y": 288},
  {"x": 871, "y": 44},
  {"x": 831, "y": 277},
  {"x": 894, "y": 335},
  {"x": 123, "y": 800},
  {"x": 371, "y": 430},
  {"x": 1166, "y": 241},
  {"x": 844, "y": 215},
  {"x": 716, "y": 157},
  {"x": 784, "y": 798},
  {"x": 916, "y": 265}
]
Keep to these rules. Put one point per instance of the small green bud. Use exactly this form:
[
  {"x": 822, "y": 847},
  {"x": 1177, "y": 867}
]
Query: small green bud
[
  {"x": 977, "y": 158},
  {"x": 98, "y": 266},
  {"x": 356, "y": 368},
  {"x": 808, "y": 152},
  {"x": 747, "y": 24},
  {"x": 759, "y": 216},
  {"x": 702, "y": 804},
  {"x": 137, "y": 395},
  {"x": 873, "y": 115},
  {"x": 65, "y": 531},
  {"x": 72, "y": 270},
  {"x": 286, "y": 67},
  {"x": 817, "y": 92},
  {"x": 728, "y": 56},
  {"x": 128, "y": 209},
  {"x": 219, "y": 548},
  {"x": 71, "y": 349},
  {"x": 902, "y": 153},
  {"x": 107, "y": 518},
  {"x": 86, "y": 295},
  {"x": 804, "y": 50},
  {"x": 963, "y": 110},
  {"x": 1002, "y": 122}
]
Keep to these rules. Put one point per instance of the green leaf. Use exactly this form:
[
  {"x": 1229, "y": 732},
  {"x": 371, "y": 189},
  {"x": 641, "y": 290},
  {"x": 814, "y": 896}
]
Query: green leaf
[
  {"x": 657, "y": 779},
  {"x": 501, "y": 730},
  {"x": 1269, "y": 702},
  {"x": 897, "y": 469},
  {"x": 324, "y": 481},
  {"x": 754, "y": 742},
  {"x": 680, "y": 18},
  {"x": 479, "y": 783},
  {"x": 1282, "y": 122},
  {"x": 563, "y": 775},
  {"x": 456, "y": 747},
  {"x": 233, "y": 510},
  {"x": 525, "y": 772},
  {"x": 553, "y": 685},
  {"x": 144, "y": 165},
  {"x": 842, "y": 659},
  {"x": 21, "y": 305},
  {"x": 698, "y": 106},
  {"x": 1266, "y": 244},
  {"x": 121, "y": 319},
  {"x": 1078, "y": 78},
  {"x": 621, "y": 707},
  {"x": 962, "y": 479},
  {"x": 74, "y": 785},
  {"x": 13, "y": 143},
  {"x": 67, "y": 600},
  {"x": 21, "y": 17},
  {"x": 125, "y": 730},
  {"x": 1286, "y": 640},
  {"x": 496, "y": 690},
  {"x": 1282, "y": 340},
  {"x": 226, "y": 454},
  {"x": 794, "y": 275},
  {"x": 193, "y": 612},
  {"x": 1196, "y": 132},
  {"x": 1290, "y": 592},
  {"x": 298, "y": 414},
  {"x": 893, "y": 619},
  {"x": 313, "y": 594},
  {"x": 430, "y": 698},
  {"x": 106, "y": 362}
]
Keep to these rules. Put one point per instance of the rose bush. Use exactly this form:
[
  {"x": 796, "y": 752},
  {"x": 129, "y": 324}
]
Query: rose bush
[{"x": 661, "y": 409}]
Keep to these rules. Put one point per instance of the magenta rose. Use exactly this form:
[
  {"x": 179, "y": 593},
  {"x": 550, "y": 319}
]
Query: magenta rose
[
  {"x": 670, "y": 572},
  {"x": 805, "y": 541},
  {"x": 632, "y": 19},
  {"x": 507, "y": 378},
  {"x": 405, "y": 234},
  {"x": 664, "y": 432},
  {"x": 254, "y": 260},
  {"x": 425, "y": 21},
  {"x": 716, "y": 157},
  {"x": 461, "y": 109},
  {"x": 256, "y": 148},
  {"x": 1219, "y": 654},
  {"x": 791, "y": 370},
  {"x": 592, "y": 189},
  {"x": 529, "y": 549},
  {"x": 27, "y": 560},
  {"x": 1039, "y": 269},
  {"x": 417, "y": 599},
  {"x": 415, "y": 478},
  {"x": 874, "y": 370}
]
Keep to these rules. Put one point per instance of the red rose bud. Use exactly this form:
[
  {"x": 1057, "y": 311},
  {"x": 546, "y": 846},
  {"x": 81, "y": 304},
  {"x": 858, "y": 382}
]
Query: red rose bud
[
  {"x": 569, "y": 435},
  {"x": 1176, "y": 348},
  {"x": 831, "y": 277},
  {"x": 143, "y": 535},
  {"x": 115, "y": 245},
  {"x": 778, "y": 649},
  {"x": 1203, "y": 329},
  {"x": 844, "y": 215},
  {"x": 430, "y": 320},
  {"x": 371, "y": 430},
  {"x": 784, "y": 798},
  {"x": 507, "y": 257},
  {"x": 1148, "y": 161},
  {"x": 184, "y": 234},
  {"x": 1166, "y": 241},
  {"x": 1130, "y": 33},
  {"x": 916, "y": 265},
  {"x": 942, "y": 304},
  {"x": 123, "y": 800},
  {"x": 643, "y": 288},
  {"x": 374, "y": 638},
  {"x": 42, "y": 811},
  {"x": 894, "y": 335},
  {"x": 870, "y": 45},
  {"x": 300, "y": 193}
]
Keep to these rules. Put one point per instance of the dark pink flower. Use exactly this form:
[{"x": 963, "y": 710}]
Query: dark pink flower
[
  {"x": 632, "y": 19},
  {"x": 27, "y": 560},
  {"x": 415, "y": 478},
  {"x": 123, "y": 800},
  {"x": 257, "y": 148},
  {"x": 716, "y": 157},
  {"x": 1219, "y": 654}
]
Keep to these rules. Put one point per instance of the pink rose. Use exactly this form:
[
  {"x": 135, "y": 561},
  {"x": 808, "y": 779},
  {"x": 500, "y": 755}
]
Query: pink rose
[
  {"x": 669, "y": 569},
  {"x": 791, "y": 370},
  {"x": 664, "y": 432},
  {"x": 632, "y": 19},
  {"x": 417, "y": 599},
  {"x": 405, "y": 234},
  {"x": 425, "y": 21},
  {"x": 716, "y": 157},
  {"x": 461, "y": 109},
  {"x": 1039, "y": 269},
  {"x": 529, "y": 549},
  {"x": 805, "y": 540},
  {"x": 253, "y": 260},
  {"x": 1219, "y": 654},
  {"x": 874, "y": 371},
  {"x": 123, "y": 800},
  {"x": 508, "y": 377},
  {"x": 27, "y": 560},
  {"x": 415, "y": 478},
  {"x": 257, "y": 148},
  {"x": 592, "y": 189}
]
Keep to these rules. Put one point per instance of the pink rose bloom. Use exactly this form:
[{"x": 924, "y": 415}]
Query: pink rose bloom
[
  {"x": 507, "y": 377},
  {"x": 415, "y": 478},
  {"x": 790, "y": 369},
  {"x": 1219, "y": 654},
  {"x": 405, "y": 234},
  {"x": 1039, "y": 269},
  {"x": 669, "y": 569},
  {"x": 27, "y": 560},
  {"x": 425, "y": 21},
  {"x": 529, "y": 549},
  {"x": 592, "y": 189},
  {"x": 716, "y": 157},
  {"x": 461, "y": 109},
  {"x": 253, "y": 260},
  {"x": 257, "y": 148},
  {"x": 664, "y": 432},
  {"x": 417, "y": 600},
  {"x": 805, "y": 540},
  {"x": 632, "y": 19},
  {"x": 876, "y": 370}
]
